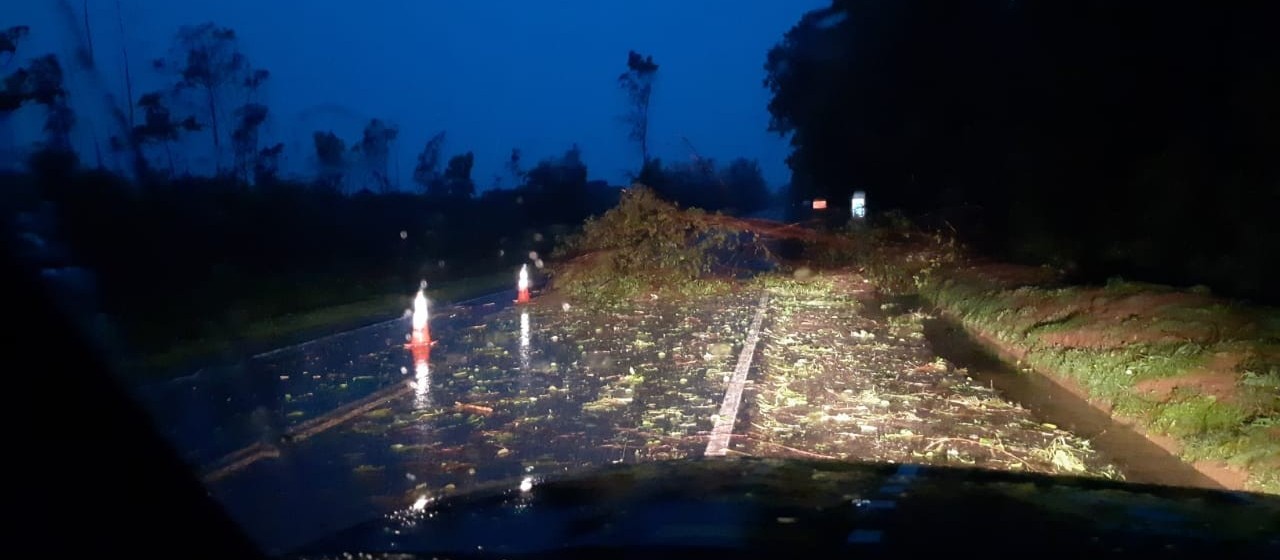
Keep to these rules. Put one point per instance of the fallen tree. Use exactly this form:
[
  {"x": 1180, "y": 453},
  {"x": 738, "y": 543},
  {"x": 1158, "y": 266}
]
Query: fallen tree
[{"x": 646, "y": 245}]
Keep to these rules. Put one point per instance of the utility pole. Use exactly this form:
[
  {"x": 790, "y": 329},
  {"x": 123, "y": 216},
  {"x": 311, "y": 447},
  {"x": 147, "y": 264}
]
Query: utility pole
[
  {"x": 88, "y": 32},
  {"x": 124, "y": 51}
]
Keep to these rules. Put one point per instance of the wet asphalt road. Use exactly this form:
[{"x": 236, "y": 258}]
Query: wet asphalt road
[{"x": 311, "y": 439}]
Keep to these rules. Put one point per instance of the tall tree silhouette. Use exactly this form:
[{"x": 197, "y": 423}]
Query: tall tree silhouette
[
  {"x": 457, "y": 182},
  {"x": 208, "y": 62},
  {"x": 427, "y": 172},
  {"x": 637, "y": 82},
  {"x": 331, "y": 159},
  {"x": 159, "y": 126},
  {"x": 375, "y": 150},
  {"x": 515, "y": 167}
]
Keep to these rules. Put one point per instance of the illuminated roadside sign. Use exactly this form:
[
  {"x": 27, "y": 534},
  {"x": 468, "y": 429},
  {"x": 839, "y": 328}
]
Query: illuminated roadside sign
[
  {"x": 858, "y": 205},
  {"x": 819, "y": 204}
]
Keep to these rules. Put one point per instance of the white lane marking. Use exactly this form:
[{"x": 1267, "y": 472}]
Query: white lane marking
[{"x": 718, "y": 445}]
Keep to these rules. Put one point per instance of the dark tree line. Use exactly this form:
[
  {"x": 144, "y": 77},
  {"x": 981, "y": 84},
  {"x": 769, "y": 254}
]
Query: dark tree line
[
  {"x": 737, "y": 188},
  {"x": 244, "y": 242},
  {"x": 227, "y": 254},
  {"x": 1133, "y": 138}
]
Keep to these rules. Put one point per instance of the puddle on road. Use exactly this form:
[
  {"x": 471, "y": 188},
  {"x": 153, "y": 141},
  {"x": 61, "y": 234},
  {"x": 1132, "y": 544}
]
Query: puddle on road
[
  {"x": 224, "y": 409},
  {"x": 536, "y": 390},
  {"x": 526, "y": 392},
  {"x": 1137, "y": 457}
]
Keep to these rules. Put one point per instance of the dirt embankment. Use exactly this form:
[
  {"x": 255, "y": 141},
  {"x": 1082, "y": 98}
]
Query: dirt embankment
[{"x": 1196, "y": 374}]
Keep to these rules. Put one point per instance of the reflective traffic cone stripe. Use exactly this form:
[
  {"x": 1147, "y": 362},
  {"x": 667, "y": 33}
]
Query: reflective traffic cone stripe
[
  {"x": 522, "y": 285},
  {"x": 421, "y": 353}
]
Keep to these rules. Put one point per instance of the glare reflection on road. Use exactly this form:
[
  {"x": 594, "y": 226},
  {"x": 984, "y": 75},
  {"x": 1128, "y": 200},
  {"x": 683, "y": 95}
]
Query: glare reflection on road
[
  {"x": 421, "y": 385},
  {"x": 421, "y": 377},
  {"x": 634, "y": 383},
  {"x": 524, "y": 341}
]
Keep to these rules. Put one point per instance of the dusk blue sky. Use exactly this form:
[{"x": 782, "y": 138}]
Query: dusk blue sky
[{"x": 495, "y": 75}]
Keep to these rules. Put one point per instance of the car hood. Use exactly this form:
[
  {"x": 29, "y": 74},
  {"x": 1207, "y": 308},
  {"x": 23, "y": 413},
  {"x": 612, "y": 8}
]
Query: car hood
[{"x": 764, "y": 508}]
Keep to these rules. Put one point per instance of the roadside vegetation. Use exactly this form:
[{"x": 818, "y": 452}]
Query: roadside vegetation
[{"x": 1200, "y": 374}]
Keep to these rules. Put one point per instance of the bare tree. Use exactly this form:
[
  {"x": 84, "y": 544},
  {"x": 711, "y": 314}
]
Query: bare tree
[
  {"x": 457, "y": 182},
  {"x": 244, "y": 139},
  {"x": 515, "y": 168},
  {"x": 331, "y": 157},
  {"x": 159, "y": 127},
  {"x": 249, "y": 119},
  {"x": 637, "y": 82},
  {"x": 208, "y": 61},
  {"x": 375, "y": 149},
  {"x": 427, "y": 173}
]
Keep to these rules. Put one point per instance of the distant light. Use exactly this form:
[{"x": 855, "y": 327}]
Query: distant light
[
  {"x": 522, "y": 281},
  {"x": 404, "y": 234},
  {"x": 858, "y": 205},
  {"x": 533, "y": 255},
  {"x": 526, "y": 484},
  {"x": 819, "y": 204}
]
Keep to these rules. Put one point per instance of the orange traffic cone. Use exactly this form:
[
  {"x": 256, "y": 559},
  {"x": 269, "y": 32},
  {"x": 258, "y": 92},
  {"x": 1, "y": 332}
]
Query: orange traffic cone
[
  {"x": 522, "y": 285},
  {"x": 421, "y": 355}
]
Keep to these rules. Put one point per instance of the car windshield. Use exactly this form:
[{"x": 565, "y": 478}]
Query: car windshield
[{"x": 353, "y": 258}]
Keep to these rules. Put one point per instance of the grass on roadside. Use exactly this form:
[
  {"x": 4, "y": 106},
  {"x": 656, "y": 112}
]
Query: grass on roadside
[{"x": 1178, "y": 362}]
